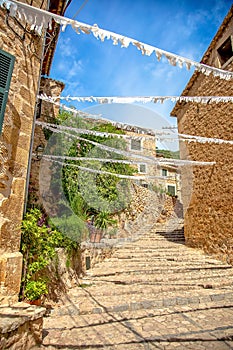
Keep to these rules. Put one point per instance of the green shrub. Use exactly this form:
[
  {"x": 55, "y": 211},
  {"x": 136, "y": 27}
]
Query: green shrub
[
  {"x": 38, "y": 246},
  {"x": 35, "y": 289}
]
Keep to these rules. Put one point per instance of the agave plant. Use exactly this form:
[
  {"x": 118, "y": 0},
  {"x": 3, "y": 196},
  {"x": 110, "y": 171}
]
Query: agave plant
[{"x": 103, "y": 220}]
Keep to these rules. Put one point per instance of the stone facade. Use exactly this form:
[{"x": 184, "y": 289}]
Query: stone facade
[
  {"x": 15, "y": 142},
  {"x": 26, "y": 47},
  {"x": 170, "y": 182},
  {"x": 144, "y": 144},
  {"x": 207, "y": 191}
]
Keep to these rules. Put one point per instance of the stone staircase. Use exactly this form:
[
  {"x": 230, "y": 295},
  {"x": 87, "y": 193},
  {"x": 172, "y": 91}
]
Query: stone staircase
[{"x": 120, "y": 303}]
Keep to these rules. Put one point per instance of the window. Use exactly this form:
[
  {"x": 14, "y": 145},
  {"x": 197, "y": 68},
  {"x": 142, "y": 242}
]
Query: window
[
  {"x": 6, "y": 68},
  {"x": 144, "y": 184},
  {"x": 171, "y": 190},
  {"x": 136, "y": 145},
  {"x": 225, "y": 51},
  {"x": 142, "y": 168},
  {"x": 164, "y": 172}
]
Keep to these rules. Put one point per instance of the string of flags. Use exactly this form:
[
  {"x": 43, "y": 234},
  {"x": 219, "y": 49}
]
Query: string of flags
[
  {"x": 103, "y": 172},
  {"x": 91, "y": 132},
  {"x": 143, "y": 158},
  {"x": 159, "y": 135},
  {"x": 159, "y": 161},
  {"x": 40, "y": 19},
  {"x": 141, "y": 99}
]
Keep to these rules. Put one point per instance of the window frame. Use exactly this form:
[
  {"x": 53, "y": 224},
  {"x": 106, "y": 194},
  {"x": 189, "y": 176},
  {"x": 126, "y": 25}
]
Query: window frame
[
  {"x": 135, "y": 149},
  {"x": 223, "y": 62},
  {"x": 171, "y": 186},
  {"x": 164, "y": 171},
  {"x": 139, "y": 168}
]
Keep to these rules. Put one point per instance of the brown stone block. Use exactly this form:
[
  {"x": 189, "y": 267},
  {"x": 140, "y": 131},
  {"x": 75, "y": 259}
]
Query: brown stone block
[
  {"x": 11, "y": 135},
  {"x": 28, "y": 110},
  {"x": 18, "y": 102},
  {"x": 17, "y": 170},
  {"x": 23, "y": 78},
  {"x": 27, "y": 95},
  {"x": 10, "y": 237},
  {"x": 26, "y": 125},
  {"x": 2, "y": 271},
  {"x": 18, "y": 187},
  {"x": 21, "y": 155},
  {"x": 24, "y": 141},
  {"x": 11, "y": 269},
  {"x": 12, "y": 209}
]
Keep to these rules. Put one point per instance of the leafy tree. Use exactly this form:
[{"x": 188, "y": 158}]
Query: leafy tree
[{"x": 103, "y": 189}]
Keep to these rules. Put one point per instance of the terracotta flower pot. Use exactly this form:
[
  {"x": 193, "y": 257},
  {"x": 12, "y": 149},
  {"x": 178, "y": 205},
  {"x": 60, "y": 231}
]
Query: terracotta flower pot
[
  {"x": 95, "y": 236},
  {"x": 36, "y": 302}
]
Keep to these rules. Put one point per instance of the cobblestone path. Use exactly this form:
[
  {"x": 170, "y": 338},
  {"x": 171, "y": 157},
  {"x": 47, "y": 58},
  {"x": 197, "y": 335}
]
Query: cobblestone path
[{"x": 154, "y": 293}]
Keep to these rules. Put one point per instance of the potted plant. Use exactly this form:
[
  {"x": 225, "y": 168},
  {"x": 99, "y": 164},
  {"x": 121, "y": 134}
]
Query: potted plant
[
  {"x": 34, "y": 290},
  {"x": 101, "y": 222}
]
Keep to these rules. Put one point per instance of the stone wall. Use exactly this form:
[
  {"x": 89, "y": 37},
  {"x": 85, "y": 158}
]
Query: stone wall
[
  {"x": 207, "y": 191},
  {"x": 15, "y": 145},
  {"x": 21, "y": 326},
  {"x": 46, "y": 112}
]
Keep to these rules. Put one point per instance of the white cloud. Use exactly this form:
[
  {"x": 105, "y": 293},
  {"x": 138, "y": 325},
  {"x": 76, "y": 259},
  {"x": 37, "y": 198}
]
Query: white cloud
[
  {"x": 74, "y": 68},
  {"x": 69, "y": 68},
  {"x": 66, "y": 47}
]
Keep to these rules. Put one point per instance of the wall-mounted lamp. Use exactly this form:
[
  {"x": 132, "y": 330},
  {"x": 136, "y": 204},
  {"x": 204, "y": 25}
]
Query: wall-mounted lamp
[{"x": 39, "y": 151}]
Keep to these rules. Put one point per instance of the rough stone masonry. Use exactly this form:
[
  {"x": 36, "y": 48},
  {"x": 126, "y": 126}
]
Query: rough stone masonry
[{"x": 207, "y": 192}]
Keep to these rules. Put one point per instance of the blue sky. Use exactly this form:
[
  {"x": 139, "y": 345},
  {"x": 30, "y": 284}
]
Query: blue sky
[{"x": 90, "y": 67}]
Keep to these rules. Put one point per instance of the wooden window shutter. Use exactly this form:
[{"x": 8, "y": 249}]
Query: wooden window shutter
[{"x": 6, "y": 69}]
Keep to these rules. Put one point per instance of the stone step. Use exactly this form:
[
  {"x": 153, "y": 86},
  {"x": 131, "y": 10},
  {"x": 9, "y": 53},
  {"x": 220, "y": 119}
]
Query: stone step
[
  {"x": 149, "y": 290},
  {"x": 83, "y": 303},
  {"x": 171, "y": 282},
  {"x": 118, "y": 286},
  {"x": 159, "y": 274},
  {"x": 156, "y": 254},
  {"x": 177, "y": 327},
  {"x": 156, "y": 259},
  {"x": 162, "y": 238},
  {"x": 169, "y": 267}
]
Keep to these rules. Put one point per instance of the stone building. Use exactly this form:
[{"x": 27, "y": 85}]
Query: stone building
[
  {"x": 143, "y": 142},
  {"x": 170, "y": 181},
  {"x": 207, "y": 192},
  {"x": 21, "y": 65},
  {"x": 22, "y": 62}
]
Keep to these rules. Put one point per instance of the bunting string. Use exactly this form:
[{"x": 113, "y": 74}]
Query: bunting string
[
  {"x": 159, "y": 161},
  {"x": 140, "y": 130},
  {"x": 159, "y": 135},
  {"x": 103, "y": 172},
  {"x": 143, "y": 158},
  {"x": 39, "y": 19},
  {"x": 75, "y": 112},
  {"x": 141, "y": 99},
  {"x": 92, "y": 132}
]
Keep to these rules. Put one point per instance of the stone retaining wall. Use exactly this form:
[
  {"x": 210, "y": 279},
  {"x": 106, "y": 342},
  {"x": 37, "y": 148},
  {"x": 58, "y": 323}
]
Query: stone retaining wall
[{"x": 21, "y": 326}]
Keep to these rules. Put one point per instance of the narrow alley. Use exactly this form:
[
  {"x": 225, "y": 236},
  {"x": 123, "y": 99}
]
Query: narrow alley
[{"x": 153, "y": 293}]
